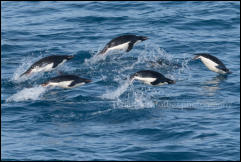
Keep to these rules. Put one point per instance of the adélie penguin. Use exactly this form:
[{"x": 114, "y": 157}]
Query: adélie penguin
[
  {"x": 66, "y": 81},
  {"x": 212, "y": 63},
  {"x": 124, "y": 42},
  {"x": 151, "y": 77},
  {"x": 47, "y": 63}
]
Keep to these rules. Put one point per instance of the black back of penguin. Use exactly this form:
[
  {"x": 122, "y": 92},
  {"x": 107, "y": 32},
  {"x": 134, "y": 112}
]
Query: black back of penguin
[
  {"x": 121, "y": 40},
  {"x": 148, "y": 74},
  {"x": 159, "y": 78},
  {"x": 75, "y": 78},
  {"x": 125, "y": 38},
  {"x": 213, "y": 58},
  {"x": 56, "y": 59}
]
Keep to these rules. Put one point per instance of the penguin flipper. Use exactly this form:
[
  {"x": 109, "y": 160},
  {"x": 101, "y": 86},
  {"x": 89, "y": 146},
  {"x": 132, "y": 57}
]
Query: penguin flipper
[
  {"x": 131, "y": 44},
  {"x": 76, "y": 82},
  {"x": 56, "y": 63},
  {"x": 157, "y": 81},
  {"x": 222, "y": 68},
  {"x": 72, "y": 83}
]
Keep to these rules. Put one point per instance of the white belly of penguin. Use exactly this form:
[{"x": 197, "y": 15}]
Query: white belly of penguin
[
  {"x": 162, "y": 83},
  {"x": 78, "y": 84},
  {"x": 146, "y": 80},
  {"x": 46, "y": 67},
  {"x": 63, "y": 84},
  {"x": 123, "y": 47},
  {"x": 210, "y": 64}
]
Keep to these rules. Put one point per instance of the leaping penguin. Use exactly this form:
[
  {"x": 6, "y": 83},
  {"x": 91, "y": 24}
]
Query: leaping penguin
[
  {"x": 151, "y": 77},
  {"x": 47, "y": 63},
  {"x": 124, "y": 42},
  {"x": 212, "y": 63},
  {"x": 66, "y": 81}
]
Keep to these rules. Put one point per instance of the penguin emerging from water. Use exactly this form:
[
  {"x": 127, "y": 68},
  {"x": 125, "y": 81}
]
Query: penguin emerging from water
[
  {"x": 151, "y": 77},
  {"x": 124, "y": 42},
  {"x": 212, "y": 63},
  {"x": 47, "y": 63},
  {"x": 66, "y": 81}
]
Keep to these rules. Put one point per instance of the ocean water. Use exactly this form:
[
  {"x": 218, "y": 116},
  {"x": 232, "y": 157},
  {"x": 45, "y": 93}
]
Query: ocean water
[{"x": 198, "y": 118}]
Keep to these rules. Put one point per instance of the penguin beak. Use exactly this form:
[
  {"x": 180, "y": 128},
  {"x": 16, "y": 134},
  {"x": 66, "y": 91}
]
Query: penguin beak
[
  {"x": 196, "y": 57},
  {"x": 44, "y": 84},
  {"x": 144, "y": 38},
  {"x": 171, "y": 82},
  {"x": 88, "y": 81},
  {"x": 70, "y": 57}
]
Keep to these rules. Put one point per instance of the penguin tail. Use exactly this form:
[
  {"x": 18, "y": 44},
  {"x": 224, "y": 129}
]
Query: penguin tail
[
  {"x": 132, "y": 77},
  {"x": 103, "y": 51},
  {"x": 25, "y": 73},
  {"x": 229, "y": 72}
]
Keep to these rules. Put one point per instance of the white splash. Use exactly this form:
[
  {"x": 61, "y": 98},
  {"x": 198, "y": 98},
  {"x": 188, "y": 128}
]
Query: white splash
[
  {"x": 142, "y": 101},
  {"x": 94, "y": 59},
  {"x": 116, "y": 93},
  {"x": 33, "y": 93},
  {"x": 136, "y": 100},
  {"x": 100, "y": 57}
]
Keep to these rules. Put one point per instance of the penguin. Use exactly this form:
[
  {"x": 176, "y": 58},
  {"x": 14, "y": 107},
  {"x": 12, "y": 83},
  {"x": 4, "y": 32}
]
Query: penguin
[
  {"x": 47, "y": 63},
  {"x": 212, "y": 63},
  {"x": 66, "y": 81},
  {"x": 124, "y": 42},
  {"x": 151, "y": 77}
]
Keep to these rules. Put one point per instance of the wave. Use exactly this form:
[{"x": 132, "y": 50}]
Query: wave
[{"x": 33, "y": 93}]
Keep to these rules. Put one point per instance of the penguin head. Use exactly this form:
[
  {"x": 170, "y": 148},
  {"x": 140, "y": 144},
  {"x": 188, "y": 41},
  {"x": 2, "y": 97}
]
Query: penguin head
[
  {"x": 70, "y": 57},
  {"x": 142, "y": 38},
  {"x": 45, "y": 84},
  {"x": 87, "y": 81},
  {"x": 169, "y": 81}
]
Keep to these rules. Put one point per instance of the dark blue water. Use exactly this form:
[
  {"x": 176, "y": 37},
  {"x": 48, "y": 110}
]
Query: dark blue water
[{"x": 198, "y": 118}]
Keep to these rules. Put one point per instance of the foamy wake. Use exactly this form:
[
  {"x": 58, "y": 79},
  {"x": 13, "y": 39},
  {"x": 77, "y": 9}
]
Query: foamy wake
[{"x": 33, "y": 93}]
